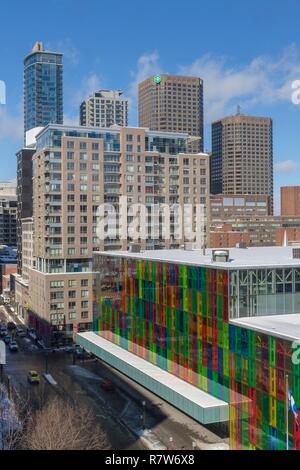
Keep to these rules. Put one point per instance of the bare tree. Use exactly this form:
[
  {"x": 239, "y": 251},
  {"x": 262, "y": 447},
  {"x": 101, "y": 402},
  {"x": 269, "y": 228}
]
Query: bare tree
[
  {"x": 14, "y": 415},
  {"x": 60, "y": 425}
]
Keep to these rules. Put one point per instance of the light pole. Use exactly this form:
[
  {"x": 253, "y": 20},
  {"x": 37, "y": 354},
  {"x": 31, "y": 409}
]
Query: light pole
[
  {"x": 46, "y": 362},
  {"x": 144, "y": 414}
]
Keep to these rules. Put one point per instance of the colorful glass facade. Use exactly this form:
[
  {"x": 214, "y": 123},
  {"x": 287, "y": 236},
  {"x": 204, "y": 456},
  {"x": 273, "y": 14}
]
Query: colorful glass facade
[
  {"x": 258, "y": 366},
  {"x": 174, "y": 316}
]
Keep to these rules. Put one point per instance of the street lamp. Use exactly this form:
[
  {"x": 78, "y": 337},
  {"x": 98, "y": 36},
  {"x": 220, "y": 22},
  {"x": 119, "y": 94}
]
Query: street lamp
[{"x": 46, "y": 362}]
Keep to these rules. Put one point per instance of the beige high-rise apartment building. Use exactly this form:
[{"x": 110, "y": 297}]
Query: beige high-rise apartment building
[
  {"x": 242, "y": 156},
  {"x": 78, "y": 169},
  {"x": 173, "y": 103}
]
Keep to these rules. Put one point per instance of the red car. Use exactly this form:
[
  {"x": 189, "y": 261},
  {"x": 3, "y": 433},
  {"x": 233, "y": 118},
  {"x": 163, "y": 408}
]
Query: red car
[{"x": 107, "y": 385}]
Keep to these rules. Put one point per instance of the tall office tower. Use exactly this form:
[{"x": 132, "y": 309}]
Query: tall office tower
[
  {"x": 173, "y": 103},
  {"x": 43, "y": 88},
  {"x": 77, "y": 169},
  {"x": 8, "y": 214},
  {"x": 104, "y": 108},
  {"x": 290, "y": 200},
  {"x": 242, "y": 156}
]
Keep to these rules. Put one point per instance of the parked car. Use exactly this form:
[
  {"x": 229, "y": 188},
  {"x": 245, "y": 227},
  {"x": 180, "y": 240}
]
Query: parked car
[
  {"x": 20, "y": 332},
  {"x": 33, "y": 377},
  {"x": 13, "y": 346},
  {"x": 107, "y": 385},
  {"x": 3, "y": 331},
  {"x": 11, "y": 325},
  {"x": 32, "y": 333},
  {"x": 7, "y": 339}
]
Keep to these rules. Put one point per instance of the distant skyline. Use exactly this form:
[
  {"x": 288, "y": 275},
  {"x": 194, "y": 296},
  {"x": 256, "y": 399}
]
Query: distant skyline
[{"x": 247, "y": 55}]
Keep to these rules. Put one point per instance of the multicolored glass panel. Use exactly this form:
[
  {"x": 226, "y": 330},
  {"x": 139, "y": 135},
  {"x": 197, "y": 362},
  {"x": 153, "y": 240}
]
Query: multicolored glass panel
[{"x": 174, "y": 316}]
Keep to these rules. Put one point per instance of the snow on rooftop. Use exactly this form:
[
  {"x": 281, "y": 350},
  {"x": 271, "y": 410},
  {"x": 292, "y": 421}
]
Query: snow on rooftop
[
  {"x": 259, "y": 257},
  {"x": 283, "y": 326}
]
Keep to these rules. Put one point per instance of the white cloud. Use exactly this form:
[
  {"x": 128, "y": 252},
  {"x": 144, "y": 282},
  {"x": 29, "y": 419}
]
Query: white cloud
[
  {"x": 89, "y": 85},
  {"x": 71, "y": 119},
  {"x": 68, "y": 49},
  {"x": 11, "y": 126},
  {"x": 285, "y": 166},
  {"x": 147, "y": 65},
  {"x": 265, "y": 80}
]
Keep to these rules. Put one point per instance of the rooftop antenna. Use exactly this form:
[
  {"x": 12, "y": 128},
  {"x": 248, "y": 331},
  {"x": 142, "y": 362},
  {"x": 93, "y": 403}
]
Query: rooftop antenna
[{"x": 238, "y": 111}]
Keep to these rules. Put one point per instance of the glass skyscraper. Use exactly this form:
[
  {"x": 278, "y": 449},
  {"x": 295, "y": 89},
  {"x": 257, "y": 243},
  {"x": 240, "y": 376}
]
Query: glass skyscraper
[{"x": 43, "y": 88}]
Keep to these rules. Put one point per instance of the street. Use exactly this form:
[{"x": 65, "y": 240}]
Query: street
[{"x": 122, "y": 413}]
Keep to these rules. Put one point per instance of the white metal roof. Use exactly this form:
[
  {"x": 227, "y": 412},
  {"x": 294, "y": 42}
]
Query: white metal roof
[
  {"x": 282, "y": 326},
  {"x": 192, "y": 393},
  {"x": 258, "y": 257}
]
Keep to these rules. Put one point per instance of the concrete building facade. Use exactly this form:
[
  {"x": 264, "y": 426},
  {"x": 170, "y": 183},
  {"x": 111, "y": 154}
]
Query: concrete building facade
[
  {"x": 173, "y": 103},
  {"x": 76, "y": 170},
  {"x": 290, "y": 200},
  {"x": 8, "y": 214},
  {"x": 104, "y": 108},
  {"x": 242, "y": 156}
]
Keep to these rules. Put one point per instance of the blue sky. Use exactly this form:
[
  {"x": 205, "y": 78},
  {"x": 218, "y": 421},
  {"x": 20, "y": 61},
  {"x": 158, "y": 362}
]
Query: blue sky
[{"x": 248, "y": 53}]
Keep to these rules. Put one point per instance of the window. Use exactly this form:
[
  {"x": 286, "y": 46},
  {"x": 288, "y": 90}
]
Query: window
[
  {"x": 84, "y": 282},
  {"x": 83, "y": 251},
  {"x": 70, "y": 144},
  {"x": 82, "y": 145},
  {"x": 95, "y": 146},
  {"x": 84, "y": 293},
  {"x": 56, "y": 284},
  {"x": 85, "y": 314},
  {"x": 95, "y": 156},
  {"x": 72, "y": 294},
  {"x": 72, "y": 283},
  {"x": 84, "y": 304},
  {"x": 72, "y": 315},
  {"x": 71, "y": 251},
  {"x": 83, "y": 156}
]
